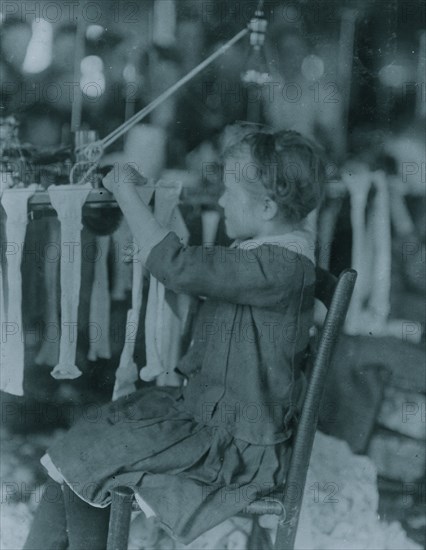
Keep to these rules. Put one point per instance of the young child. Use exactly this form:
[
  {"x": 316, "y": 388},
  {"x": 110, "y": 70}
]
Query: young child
[{"x": 199, "y": 454}]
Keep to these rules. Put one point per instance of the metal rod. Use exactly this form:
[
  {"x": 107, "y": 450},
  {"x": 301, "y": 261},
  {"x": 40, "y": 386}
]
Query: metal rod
[{"x": 118, "y": 132}]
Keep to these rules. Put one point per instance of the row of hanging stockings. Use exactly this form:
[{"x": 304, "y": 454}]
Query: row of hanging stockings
[
  {"x": 68, "y": 202},
  {"x": 166, "y": 312},
  {"x": 371, "y": 255}
]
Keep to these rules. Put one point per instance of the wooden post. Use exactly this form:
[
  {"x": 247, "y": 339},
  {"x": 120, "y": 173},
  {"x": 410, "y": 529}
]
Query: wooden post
[
  {"x": 346, "y": 47},
  {"x": 421, "y": 84}
]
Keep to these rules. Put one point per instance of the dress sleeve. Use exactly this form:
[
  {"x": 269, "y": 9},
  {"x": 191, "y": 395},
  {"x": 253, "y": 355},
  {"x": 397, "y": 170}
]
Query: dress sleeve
[{"x": 263, "y": 276}]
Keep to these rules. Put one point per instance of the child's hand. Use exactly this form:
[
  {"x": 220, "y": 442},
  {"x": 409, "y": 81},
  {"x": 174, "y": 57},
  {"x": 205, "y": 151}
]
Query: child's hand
[
  {"x": 123, "y": 174},
  {"x": 110, "y": 181}
]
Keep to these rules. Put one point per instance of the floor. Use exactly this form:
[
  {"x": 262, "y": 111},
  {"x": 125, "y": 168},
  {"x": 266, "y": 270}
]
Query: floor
[{"x": 360, "y": 518}]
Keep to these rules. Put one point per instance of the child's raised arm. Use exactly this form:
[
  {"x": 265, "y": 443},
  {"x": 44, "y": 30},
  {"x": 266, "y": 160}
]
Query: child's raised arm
[
  {"x": 261, "y": 276},
  {"x": 145, "y": 228}
]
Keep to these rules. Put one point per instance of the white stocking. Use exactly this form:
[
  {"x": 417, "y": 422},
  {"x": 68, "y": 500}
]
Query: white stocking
[
  {"x": 379, "y": 302},
  {"x": 100, "y": 304},
  {"x": 68, "y": 201},
  {"x": 15, "y": 204},
  {"x": 127, "y": 372},
  {"x": 358, "y": 185},
  {"x": 163, "y": 325}
]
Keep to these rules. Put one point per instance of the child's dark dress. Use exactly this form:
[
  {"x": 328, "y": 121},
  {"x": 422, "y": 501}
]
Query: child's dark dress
[{"x": 200, "y": 454}]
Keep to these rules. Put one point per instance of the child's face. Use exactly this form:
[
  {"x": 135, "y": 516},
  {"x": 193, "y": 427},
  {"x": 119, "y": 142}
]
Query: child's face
[{"x": 242, "y": 208}]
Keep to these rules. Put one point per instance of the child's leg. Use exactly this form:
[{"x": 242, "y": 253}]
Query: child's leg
[
  {"x": 64, "y": 521},
  {"x": 48, "y": 530},
  {"x": 87, "y": 526}
]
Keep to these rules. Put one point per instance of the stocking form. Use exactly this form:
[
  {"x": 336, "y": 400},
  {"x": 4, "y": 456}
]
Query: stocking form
[
  {"x": 127, "y": 372},
  {"x": 49, "y": 350},
  {"x": 166, "y": 311},
  {"x": 68, "y": 201},
  {"x": 15, "y": 204},
  {"x": 100, "y": 304}
]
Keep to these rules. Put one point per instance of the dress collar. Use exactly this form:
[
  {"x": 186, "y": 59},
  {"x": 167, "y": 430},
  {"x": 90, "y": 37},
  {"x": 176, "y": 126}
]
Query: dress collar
[{"x": 300, "y": 241}]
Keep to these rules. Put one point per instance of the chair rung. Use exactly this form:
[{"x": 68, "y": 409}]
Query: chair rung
[
  {"x": 265, "y": 506},
  {"x": 257, "y": 507}
]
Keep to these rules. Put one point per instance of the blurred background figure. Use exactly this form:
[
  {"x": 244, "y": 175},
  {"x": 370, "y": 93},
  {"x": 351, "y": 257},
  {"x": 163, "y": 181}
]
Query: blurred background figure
[{"x": 302, "y": 96}]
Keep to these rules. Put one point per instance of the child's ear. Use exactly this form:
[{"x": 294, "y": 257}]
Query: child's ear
[{"x": 270, "y": 209}]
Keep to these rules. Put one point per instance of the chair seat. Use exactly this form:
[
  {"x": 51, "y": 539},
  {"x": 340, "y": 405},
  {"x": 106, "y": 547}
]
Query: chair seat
[{"x": 266, "y": 505}]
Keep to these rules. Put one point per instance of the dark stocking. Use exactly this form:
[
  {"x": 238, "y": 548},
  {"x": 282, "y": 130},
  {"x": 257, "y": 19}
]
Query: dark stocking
[
  {"x": 87, "y": 526},
  {"x": 48, "y": 529},
  {"x": 63, "y": 520}
]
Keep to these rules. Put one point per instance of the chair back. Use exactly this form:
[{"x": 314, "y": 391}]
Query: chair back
[{"x": 335, "y": 294}]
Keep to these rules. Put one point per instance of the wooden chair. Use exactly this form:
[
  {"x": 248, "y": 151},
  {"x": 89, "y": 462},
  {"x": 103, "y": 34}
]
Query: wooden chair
[{"x": 335, "y": 294}]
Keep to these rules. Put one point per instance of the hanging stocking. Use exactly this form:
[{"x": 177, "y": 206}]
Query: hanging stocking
[
  {"x": 358, "y": 185},
  {"x": 100, "y": 305},
  {"x": 49, "y": 350},
  {"x": 127, "y": 372},
  {"x": 68, "y": 201},
  {"x": 166, "y": 312},
  {"x": 371, "y": 257},
  {"x": 379, "y": 302},
  {"x": 15, "y": 204}
]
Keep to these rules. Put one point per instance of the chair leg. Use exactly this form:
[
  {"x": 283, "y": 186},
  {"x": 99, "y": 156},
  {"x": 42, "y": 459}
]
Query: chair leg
[
  {"x": 259, "y": 538},
  {"x": 119, "y": 521},
  {"x": 286, "y": 534}
]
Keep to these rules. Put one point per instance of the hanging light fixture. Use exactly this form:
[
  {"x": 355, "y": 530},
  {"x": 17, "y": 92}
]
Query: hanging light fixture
[{"x": 256, "y": 66}]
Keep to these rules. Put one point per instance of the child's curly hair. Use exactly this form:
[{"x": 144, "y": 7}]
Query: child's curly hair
[{"x": 290, "y": 168}]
